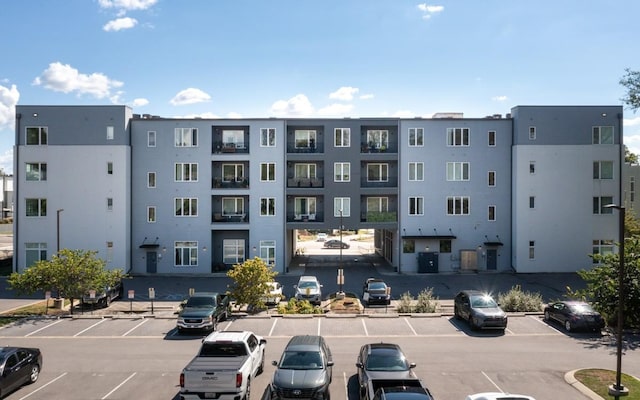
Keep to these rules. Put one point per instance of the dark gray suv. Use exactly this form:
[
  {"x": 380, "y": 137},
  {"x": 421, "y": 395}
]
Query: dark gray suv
[
  {"x": 304, "y": 370},
  {"x": 480, "y": 309}
]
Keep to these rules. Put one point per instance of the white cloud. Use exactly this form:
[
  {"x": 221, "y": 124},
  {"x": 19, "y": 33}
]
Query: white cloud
[
  {"x": 127, "y": 4},
  {"x": 345, "y": 93},
  {"x": 66, "y": 79},
  {"x": 190, "y": 96},
  {"x": 139, "y": 102},
  {"x": 631, "y": 122},
  {"x": 404, "y": 114},
  {"x": 500, "y": 98},
  {"x": 8, "y": 99},
  {"x": 429, "y": 10},
  {"x": 234, "y": 115},
  {"x": 204, "y": 115},
  {"x": 366, "y": 96},
  {"x": 335, "y": 110},
  {"x": 6, "y": 162},
  {"x": 119, "y": 24},
  {"x": 297, "y": 106}
]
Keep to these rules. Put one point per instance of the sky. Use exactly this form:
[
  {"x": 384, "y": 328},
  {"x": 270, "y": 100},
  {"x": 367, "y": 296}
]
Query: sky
[{"x": 305, "y": 58}]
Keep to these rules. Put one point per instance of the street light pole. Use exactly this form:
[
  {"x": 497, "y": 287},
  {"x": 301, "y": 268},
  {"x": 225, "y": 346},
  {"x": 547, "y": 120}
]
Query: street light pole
[
  {"x": 58, "y": 229},
  {"x": 340, "y": 263},
  {"x": 617, "y": 390}
]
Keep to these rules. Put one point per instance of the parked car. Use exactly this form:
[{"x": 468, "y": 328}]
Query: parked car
[
  {"x": 574, "y": 315},
  {"x": 376, "y": 291},
  {"x": 479, "y": 309},
  {"x": 321, "y": 237},
  {"x": 403, "y": 393},
  {"x": 18, "y": 366},
  {"x": 275, "y": 294},
  {"x": 103, "y": 298},
  {"x": 309, "y": 288},
  {"x": 383, "y": 365},
  {"x": 498, "y": 396},
  {"x": 203, "y": 311},
  {"x": 304, "y": 370},
  {"x": 335, "y": 244}
]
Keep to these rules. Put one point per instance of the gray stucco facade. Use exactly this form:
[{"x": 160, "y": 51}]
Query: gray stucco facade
[{"x": 164, "y": 196}]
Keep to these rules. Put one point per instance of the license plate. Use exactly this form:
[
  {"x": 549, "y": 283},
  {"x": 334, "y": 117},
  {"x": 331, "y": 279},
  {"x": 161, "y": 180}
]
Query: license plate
[{"x": 210, "y": 395}]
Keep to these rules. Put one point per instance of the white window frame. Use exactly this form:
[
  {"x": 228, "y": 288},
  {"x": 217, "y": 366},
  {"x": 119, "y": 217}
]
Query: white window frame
[
  {"x": 532, "y": 167},
  {"x": 233, "y": 251},
  {"x": 305, "y": 171},
  {"x": 532, "y": 249},
  {"x": 602, "y": 173},
  {"x": 416, "y": 137},
  {"x": 600, "y": 137},
  {"x": 491, "y": 178},
  {"x": 109, "y": 167},
  {"x": 42, "y": 135},
  {"x": 185, "y": 253},
  {"x": 342, "y": 137},
  {"x": 109, "y": 203},
  {"x": 599, "y": 204},
  {"x": 232, "y": 206},
  {"x": 39, "y": 206},
  {"x": 415, "y": 205},
  {"x": 416, "y": 171},
  {"x": 109, "y": 252},
  {"x": 190, "y": 204},
  {"x": 267, "y": 206},
  {"x": 342, "y": 203},
  {"x": 39, "y": 251},
  {"x": 532, "y": 202},
  {"x": 458, "y": 171},
  {"x": 186, "y": 137},
  {"x": 238, "y": 172},
  {"x": 458, "y": 205},
  {"x": 458, "y": 137},
  {"x": 186, "y": 172},
  {"x": 36, "y": 171},
  {"x": 151, "y": 214},
  {"x": 267, "y": 137},
  {"x": 602, "y": 247},
  {"x": 151, "y": 180},
  {"x": 110, "y": 132},
  {"x": 532, "y": 133},
  {"x": 383, "y": 172},
  {"x": 151, "y": 138},
  {"x": 267, "y": 172},
  {"x": 491, "y": 213},
  {"x": 381, "y": 206},
  {"x": 233, "y": 138},
  {"x": 491, "y": 138},
  {"x": 305, "y": 138},
  {"x": 268, "y": 251},
  {"x": 304, "y": 206},
  {"x": 342, "y": 172},
  {"x": 378, "y": 138}
]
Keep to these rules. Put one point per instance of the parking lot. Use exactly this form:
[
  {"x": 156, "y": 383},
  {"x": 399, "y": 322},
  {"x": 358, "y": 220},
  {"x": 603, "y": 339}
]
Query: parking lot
[{"x": 91, "y": 357}]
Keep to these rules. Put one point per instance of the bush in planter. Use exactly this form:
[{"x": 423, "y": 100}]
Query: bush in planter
[{"x": 515, "y": 300}]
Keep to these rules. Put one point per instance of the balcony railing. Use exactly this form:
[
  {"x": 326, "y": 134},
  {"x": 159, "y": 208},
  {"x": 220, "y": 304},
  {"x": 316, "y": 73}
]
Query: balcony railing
[
  {"x": 379, "y": 216},
  {"x": 305, "y": 182},
  {"x": 239, "y": 182},
  {"x": 230, "y": 218}
]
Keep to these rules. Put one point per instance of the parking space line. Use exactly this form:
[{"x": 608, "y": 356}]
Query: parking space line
[
  {"x": 509, "y": 331},
  {"x": 135, "y": 327},
  {"x": 273, "y": 326},
  {"x": 119, "y": 386},
  {"x": 44, "y": 386},
  {"x": 410, "y": 327},
  {"x": 345, "y": 379},
  {"x": 319, "y": 320},
  {"x": 364, "y": 325},
  {"x": 492, "y": 382},
  {"x": 548, "y": 325},
  {"x": 43, "y": 328},
  {"x": 86, "y": 329}
]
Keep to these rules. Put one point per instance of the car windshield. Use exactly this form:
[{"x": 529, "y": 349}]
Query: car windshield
[
  {"x": 386, "y": 361},
  {"x": 581, "y": 308},
  {"x": 201, "y": 302},
  {"x": 301, "y": 360},
  {"x": 307, "y": 284},
  {"x": 377, "y": 286},
  {"x": 483, "y": 302}
]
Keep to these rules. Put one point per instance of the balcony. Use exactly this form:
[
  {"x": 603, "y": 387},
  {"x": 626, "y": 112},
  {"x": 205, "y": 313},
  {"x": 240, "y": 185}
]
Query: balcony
[
  {"x": 239, "y": 182},
  {"x": 237, "y": 218},
  {"x": 305, "y": 218},
  {"x": 379, "y": 216},
  {"x": 305, "y": 182}
]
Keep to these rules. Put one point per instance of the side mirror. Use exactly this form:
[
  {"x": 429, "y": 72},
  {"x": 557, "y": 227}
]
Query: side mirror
[
  {"x": 274, "y": 363},
  {"x": 412, "y": 365},
  {"x": 359, "y": 365}
]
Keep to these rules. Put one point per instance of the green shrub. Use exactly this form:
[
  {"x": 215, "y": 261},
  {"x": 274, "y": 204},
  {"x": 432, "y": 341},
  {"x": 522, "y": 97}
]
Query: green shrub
[
  {"x": 405, "y": 303},
  {"x": 294, "y": 306},
  {"x": 516, "y": 300},
  {"x": 426, "y": 303}
]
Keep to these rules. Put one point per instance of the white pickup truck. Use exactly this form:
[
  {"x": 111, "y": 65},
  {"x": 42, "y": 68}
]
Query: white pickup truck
[{"x": 224, "y": 367}]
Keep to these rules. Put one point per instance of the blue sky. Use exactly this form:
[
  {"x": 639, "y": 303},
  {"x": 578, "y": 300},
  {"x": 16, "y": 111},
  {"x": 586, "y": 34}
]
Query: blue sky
[{"x": 329, "y": 58}]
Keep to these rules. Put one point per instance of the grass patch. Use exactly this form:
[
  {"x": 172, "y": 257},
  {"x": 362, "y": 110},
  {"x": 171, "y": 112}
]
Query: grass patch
[
  {"x": 36, "y": 309},
  {"x": 599, "y": 380}
]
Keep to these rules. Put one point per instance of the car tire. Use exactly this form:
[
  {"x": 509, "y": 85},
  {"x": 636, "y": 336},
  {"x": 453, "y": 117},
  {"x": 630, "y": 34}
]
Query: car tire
[
  {"x": 567, "y": 325},
  {"x": 247, "y": 394},
  {"x": 472, "y": 324},
  {"x": 34, "y": 374},
  {"x": 261, "y": 367},
  {"x": 456, "y": 313}
]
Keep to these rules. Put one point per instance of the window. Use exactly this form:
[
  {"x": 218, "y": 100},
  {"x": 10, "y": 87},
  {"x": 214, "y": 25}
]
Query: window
[
  {"x": 268, "y": 251},
  {"x": 532, "y": 133},
  {"x": 416, "y": 137},
  {"x": 416, "y": 171},
  {"x": 267, "y": 137},
  {"x": 491, "y": 178},
  {"x": 36, "y": 171},
  {"x": 36, "y": 207},
  {"x": 35, "y": 252},
  {"x": 109, "y": 251},
  {"x": 408, "y": 246},
  {"x": 268, "y": 172},
  {"x": 151, "y": 179},
  {"x": 603, "y": 135},
  {"x": 377, "y": 204},
  {"x": 445, "y": 246},
  {"x": 232, "y": 206},
  {"x": 603, "y": 170},
  {"x": 492, "y": 213},
  {"x": 151, "y": 139},
  {"x": 305, "y": 139},
  {"x": 151, "y": 214},
  {"x": 342, "y": 137},
  {"x": 186, "y": 172},
  {"x": 342, "y": 206},
  {"x": 37, "y": 135},
  {"x": 109, "y": 203},
  {"x": 458, "y": 205},
  {"x": 416, "y": 205},
  {"x": 377, "y": 172},
  {"x": 186, "y": 207},
  {"x": 233, "y": 138},
  {"x": 233, "y": 251},
  {"x": 532, "y": 167},
  {"x": 532, "y": 201},
  {"x": 110, "y": 168},
  {"x": 110, "y": 132},
  {"x": 457, "y": 171},
  {"x": 602, "y": 247},
  {"x": 632, "y": 188},
  {"x": 599, "y": 204},
  {"x": 532, "y": 249},
  {"x": 304, "y": 171},
  {"x": 267, "y": 206},
  {"x": 492, "y": 138},
  {"x": 342, "y": 172},
  {"x": 232, "y": 172},
  {"x": 457, "y": 136},
  {"x": 186, "y": 254},
  {"x": 304, "y": 206},
  {"x": 186, "y": 137},
  {"x": 378, "y": 139}
]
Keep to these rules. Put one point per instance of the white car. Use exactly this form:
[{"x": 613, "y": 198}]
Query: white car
[
  {"x": 321, "y": 237},
  {"x": 275, "y": 293},
  {"x": 498, "y": 396},
  {"x": 308, "y": 288}
]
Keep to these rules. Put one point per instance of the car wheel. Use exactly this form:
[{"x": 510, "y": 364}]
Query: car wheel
[
  {"x": 261, "y": 367},
  {"x": 247, "y": 394},
  {"x": 35, "y": 372},
  {"x": 327, "y": 395},
  {"x": 107, "y": 301},
  {"x": 547, "y": 317},
  {"x": 567, "y": 325},
  {"x": 456, "y": 313},
  {"x": 472, "y": 324}
]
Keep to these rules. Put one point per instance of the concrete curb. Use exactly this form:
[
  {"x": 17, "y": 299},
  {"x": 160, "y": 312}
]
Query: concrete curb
[{"x": 570, "y": 378}]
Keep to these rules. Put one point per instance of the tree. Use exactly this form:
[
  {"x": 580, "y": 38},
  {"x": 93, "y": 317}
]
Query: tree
[
  {"x": 70, "y": 274},
  {"x": 631, "y": 223},
  {"x": 631, "y": 81},
  {"x": 250, "y": 282},
  {"x": 602, "y": 284},
  {"x": 630, "y": 157}
]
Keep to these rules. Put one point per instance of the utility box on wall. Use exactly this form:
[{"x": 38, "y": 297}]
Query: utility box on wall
[{"x": 427, "y": 262}]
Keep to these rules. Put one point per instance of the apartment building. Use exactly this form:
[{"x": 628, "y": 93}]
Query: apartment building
[{"x": 447, "y": 194}]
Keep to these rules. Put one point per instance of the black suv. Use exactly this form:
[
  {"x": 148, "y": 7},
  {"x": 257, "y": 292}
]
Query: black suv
[
  {"x": 304, "y": 370},
  {"x": 480, "y": 309}
]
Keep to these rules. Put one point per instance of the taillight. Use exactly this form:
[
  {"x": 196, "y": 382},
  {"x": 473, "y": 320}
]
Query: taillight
[
  {"x": 182, "y": 380},
  {"x": 238, "y": 380}
]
